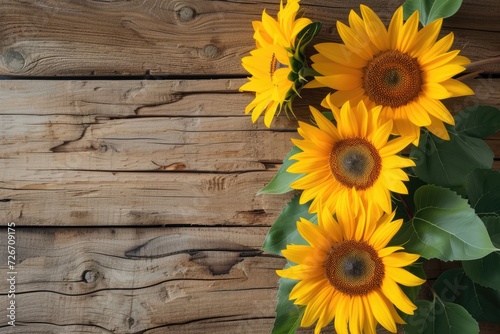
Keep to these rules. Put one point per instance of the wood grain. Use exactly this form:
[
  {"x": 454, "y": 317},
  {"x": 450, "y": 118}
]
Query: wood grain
[
  {"x": 82, "y": 153},
  {"x": 180, "y": 37},
  {"x": 145, "y": 280},
  {"x": 133, "y": 180}
]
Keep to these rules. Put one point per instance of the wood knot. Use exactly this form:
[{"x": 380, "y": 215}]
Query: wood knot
[
  {"x": 90, "y": 276},
  {"x": 14, "y": 60},
  {"x": 186, "y": 14},
  {"x": 211, "y": 51}
]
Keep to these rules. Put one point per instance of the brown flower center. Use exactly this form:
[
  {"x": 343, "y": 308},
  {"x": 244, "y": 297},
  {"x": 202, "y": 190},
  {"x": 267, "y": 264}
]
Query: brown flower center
[
  {"x": 354, "y": 268},
  {"x": 355, "y": 162},
  {"x": 392, "y": 78}
]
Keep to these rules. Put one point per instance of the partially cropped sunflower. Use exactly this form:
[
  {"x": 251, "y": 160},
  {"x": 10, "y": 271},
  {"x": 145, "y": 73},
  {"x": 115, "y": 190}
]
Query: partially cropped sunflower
[
  {"x": 401, "y": 68},
  {"x": 347, "y": 274},
  {"x": 349, "y": 164},
  {"x": 269, "y": 64}
]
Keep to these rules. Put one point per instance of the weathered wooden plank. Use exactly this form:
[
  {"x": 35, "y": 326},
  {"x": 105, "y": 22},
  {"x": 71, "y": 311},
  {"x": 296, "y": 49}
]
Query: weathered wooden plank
[
  {"x": 144, "y": 280},
  {"x": 83, "y": 198},
  {"x": 162, "y": 125},
  {"x": 130, "y": 280},
  {"x": 77, "y": 153},
  {"x": 88, "y": 37}
]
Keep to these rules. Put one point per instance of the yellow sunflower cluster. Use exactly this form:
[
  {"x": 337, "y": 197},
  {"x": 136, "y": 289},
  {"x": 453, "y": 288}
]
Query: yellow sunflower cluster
[{"x": 388, "y": 83}]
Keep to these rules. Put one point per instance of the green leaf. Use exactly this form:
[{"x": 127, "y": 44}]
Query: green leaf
[
  {"x": 284, "y": 230},
  {"x": 492, "y": 224},
  {"x": 444, "y": 227},
  {"x": 486, "y": 271},
  {"x": 431, "y": 10},
  {"x": 281, "y": 182},
  {"x": 483, "y": 191},
  {"x": 482, "y": 303},
  {"x": 447, "y": 163},
  {"x": 478, "y": 121},
  {"x": 288, "y": 315},
  {"x": 438, "y": 317}
]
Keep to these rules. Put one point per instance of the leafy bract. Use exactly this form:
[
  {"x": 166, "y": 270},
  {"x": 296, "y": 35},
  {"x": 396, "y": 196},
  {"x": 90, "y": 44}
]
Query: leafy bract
[
  {"x": 284, "y": 230},
  {"x": 438, "y": 317},
  {"x": 482, "y": 303},
  {"x": 431, "y": 10},
  {"x": 281, "y": 182},
  {"x": 444, "y": 226}
]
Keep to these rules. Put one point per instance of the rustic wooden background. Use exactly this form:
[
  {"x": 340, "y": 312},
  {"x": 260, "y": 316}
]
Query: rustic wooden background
[{"x": 131, "y": 172}]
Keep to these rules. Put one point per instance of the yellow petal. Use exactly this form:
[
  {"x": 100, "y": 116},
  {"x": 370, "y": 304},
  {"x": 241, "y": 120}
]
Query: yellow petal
[
  {"x": 382, "y": 197},
  {"x": 301, "y": 254},
  {"x": 347, "y": 124},
  {"x": 395, "y": 26},
  {"x": 384, "y": 234},
  {"x": 353, "y": 42},
  {"x": 408, "y": 33},
  {"x": 340, "y": 81},
  {"x": 457, "y": 88},
  {"x": 342, "y": 315},
  {"x": 388, "y": 251},
  {"x": 395, "y": 146},
  {"x": 438, "y": 129},
  {"x": 394, "y": 293},
  {"x": 381, "y": 311},
  {"x": 314, "y": 235},
  {"x": 439, "y": 61},
  {"x": 436, "y": 108},
  {"x": 395, "y": 161},
  {"x": 441, "y": 46},
  {"x": 416, "y": 115},
  {"x": 406, "y": 128},
  {"x": 402, "y": 276},
  {"x": 425, "y": 38},
  {"x": 340, "y": 97},
  {"x": 382, "y": 134},
  {"x": 370, "y": 323},
  {"x": 435, "y": 91},
  {"x": 314, "y": 309},
  {"x": 330, "y": 225},
  {"x": 442, "y": 73},
  {"x": 339, "y": 53},
  {"x": 375, "y": 28},
  {"x": 325, "y": 124},
  {"x": 399, "y": 259},
  {"x": 357, "y": 315}
]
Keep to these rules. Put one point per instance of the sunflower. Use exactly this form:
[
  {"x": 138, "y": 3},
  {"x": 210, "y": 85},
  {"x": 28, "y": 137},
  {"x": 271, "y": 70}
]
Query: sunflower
[
  {"x": 348, "y": 274},
  {"x": 351, "y": 163},
  {"x": 269, "y": 64},
  {"x": 401, "y": 68}
]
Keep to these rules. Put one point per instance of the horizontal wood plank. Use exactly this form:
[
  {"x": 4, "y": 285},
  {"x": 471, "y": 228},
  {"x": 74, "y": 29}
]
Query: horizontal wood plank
[
  {"x": 82, "y": 153},
  {"x": 182, "y": 37},
  {"x": 143, "y": 281}
]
